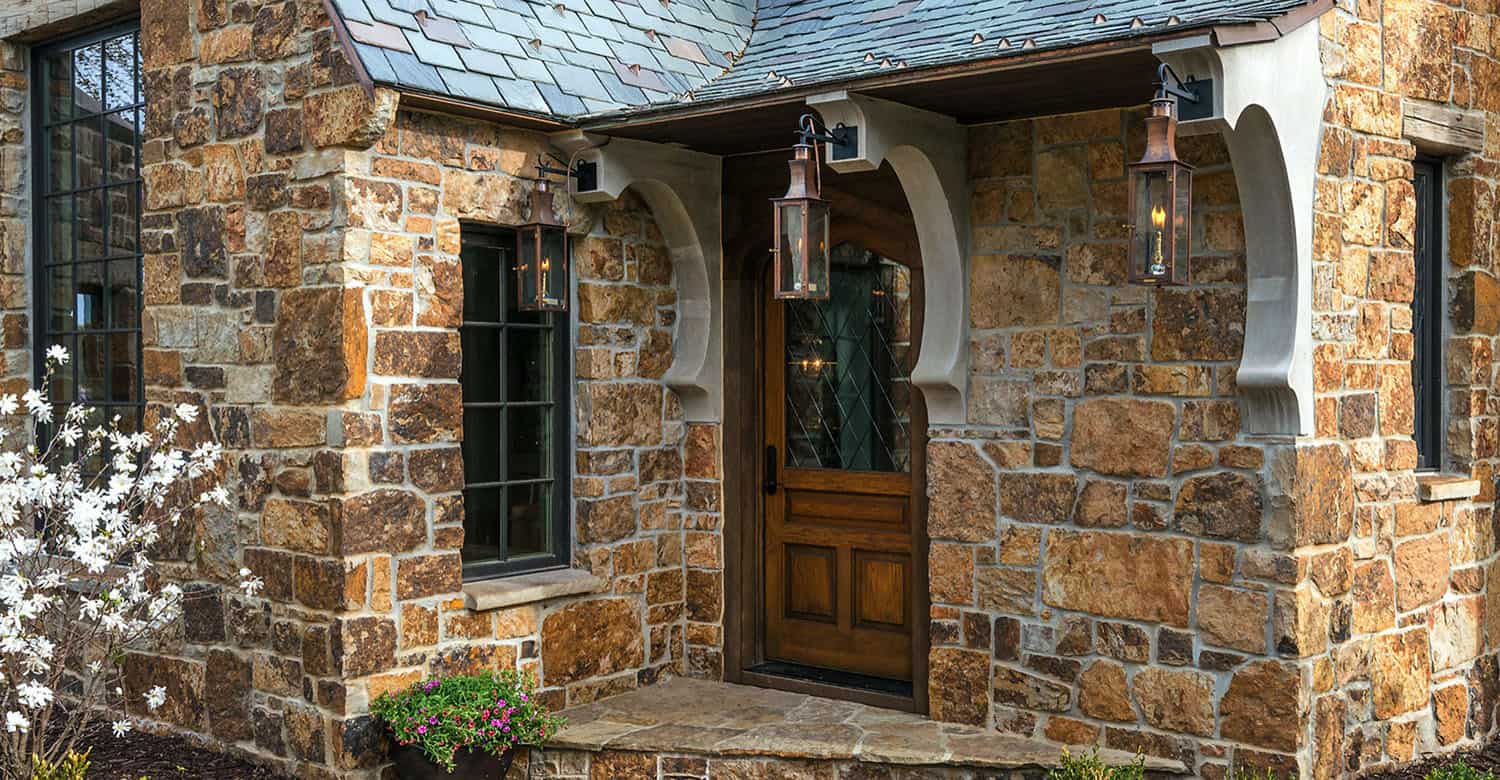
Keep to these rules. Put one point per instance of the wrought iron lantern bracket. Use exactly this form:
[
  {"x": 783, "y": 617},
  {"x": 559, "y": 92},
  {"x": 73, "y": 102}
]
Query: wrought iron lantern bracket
[
  {"x": 1195, "y": 97},
  {"x": 842, "y": 139}
]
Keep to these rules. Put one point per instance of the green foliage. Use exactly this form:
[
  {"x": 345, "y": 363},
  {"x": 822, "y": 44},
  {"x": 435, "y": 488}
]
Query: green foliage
[
  {"x": 69, "y": 767},
  {"x": 1253, "y": 774},
  {"x": 1089, "y": 767},
  {"x": 493, "y": 712},
  {"x": 1459, "y": 770}
]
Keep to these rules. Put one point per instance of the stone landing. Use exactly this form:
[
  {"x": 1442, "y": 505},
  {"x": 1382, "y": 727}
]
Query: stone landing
[{"x": 695, "y": 729}]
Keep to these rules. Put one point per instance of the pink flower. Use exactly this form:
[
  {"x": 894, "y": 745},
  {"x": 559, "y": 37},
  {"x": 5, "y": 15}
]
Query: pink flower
[{"x": 421, "y": 729}]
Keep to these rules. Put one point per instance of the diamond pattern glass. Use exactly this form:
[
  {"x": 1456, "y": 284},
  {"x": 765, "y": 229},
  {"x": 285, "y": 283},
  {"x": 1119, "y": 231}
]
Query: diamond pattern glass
[{"x": 848, "y": 374}]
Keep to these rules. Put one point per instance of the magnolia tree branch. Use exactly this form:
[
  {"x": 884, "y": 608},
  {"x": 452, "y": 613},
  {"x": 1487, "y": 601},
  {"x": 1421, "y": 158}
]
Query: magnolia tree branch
[{"x": 79, "y": 518}]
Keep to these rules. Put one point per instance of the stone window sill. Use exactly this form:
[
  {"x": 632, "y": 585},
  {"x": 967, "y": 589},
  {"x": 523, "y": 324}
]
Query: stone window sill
[
  {"x": 502, "y": 592},
  {"x": 1445, "y": 487}
]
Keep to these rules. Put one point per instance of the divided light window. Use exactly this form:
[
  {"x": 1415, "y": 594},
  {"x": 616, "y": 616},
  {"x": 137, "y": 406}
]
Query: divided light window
[
  {"x": 516, "y": 419},
  {"x": 88, "y": 108},
  {"x": 1427, "y": 316}
]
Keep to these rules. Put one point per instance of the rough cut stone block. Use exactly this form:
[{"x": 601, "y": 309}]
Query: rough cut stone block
[
  {"x": 1123, "y": 437},
  {"x": 1119, "y": 575},
  {"x": 591, "y": 639}
]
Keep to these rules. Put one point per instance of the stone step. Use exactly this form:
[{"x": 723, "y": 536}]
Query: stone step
[{"x": 739, "y": 727}]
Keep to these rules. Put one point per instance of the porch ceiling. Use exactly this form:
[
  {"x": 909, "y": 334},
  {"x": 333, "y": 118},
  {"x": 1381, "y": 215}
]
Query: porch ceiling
[{"x": 1107, "y": 79}]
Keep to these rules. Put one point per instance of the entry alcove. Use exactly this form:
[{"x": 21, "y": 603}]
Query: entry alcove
[{"x": 832, "y": 479}]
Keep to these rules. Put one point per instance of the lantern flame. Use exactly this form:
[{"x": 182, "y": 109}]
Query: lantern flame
[{"x": 1158, "y": 217}]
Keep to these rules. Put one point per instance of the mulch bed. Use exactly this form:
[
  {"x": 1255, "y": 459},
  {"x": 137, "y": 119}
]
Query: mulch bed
[
  {"x": 1486, "y": 758},
  {"x": 160, "y": 757}
]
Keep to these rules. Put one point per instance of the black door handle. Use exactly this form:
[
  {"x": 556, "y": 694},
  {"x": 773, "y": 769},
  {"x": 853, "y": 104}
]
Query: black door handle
[{"x": 770, "y": 469}]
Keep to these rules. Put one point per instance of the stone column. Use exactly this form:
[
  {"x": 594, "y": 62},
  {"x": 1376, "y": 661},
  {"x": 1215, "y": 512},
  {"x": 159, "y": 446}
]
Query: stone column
[{"x": 252, "y": 129}]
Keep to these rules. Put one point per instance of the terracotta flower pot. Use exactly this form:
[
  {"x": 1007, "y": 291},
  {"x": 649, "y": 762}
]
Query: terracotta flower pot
[{"x": 412, "y": 764}]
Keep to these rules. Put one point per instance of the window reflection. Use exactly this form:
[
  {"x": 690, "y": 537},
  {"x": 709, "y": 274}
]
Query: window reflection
[{"x": 90, "y": 124}]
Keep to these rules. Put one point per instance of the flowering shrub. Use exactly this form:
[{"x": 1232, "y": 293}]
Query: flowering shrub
[
  {"x": 493, "y": 712},
  {"x": 81, "y": 506}
]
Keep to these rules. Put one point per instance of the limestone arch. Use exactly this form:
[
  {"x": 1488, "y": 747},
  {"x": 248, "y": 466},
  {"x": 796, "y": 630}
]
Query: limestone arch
[
  {"x": 928, "y": 153},
  {"x": 682, "y": 190},
  {"x": 1268, "y": 105}
]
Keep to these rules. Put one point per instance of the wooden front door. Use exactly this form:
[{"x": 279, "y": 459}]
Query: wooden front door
[{"x": 838, "y": 489}]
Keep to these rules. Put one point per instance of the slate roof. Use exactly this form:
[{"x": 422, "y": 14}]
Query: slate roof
[
  {"x": 561, "y": 58},
  {"x": 577, "y": 58}
]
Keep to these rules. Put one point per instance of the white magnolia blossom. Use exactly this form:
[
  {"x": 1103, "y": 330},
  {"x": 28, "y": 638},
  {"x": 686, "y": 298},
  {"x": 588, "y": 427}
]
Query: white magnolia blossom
[{"x": 81, "y": 507}]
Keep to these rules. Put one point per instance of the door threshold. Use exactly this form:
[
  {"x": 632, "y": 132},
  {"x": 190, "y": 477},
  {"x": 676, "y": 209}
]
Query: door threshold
[{"x": 833, "y": 684}]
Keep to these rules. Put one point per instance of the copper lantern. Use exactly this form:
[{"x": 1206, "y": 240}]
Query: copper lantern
[
  {"x": 1161, "y": 198},
  {"x": 801, "y": 231},
  {"x": 542, "y": 256}
]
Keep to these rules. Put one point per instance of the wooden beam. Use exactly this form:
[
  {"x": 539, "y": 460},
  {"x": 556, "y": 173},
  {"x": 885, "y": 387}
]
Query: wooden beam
[{"x": 1443, "y": 130}]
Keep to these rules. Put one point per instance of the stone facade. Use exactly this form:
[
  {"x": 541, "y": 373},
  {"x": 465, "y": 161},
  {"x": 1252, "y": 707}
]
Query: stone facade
[
  {"x": 15, "y": 209},
  {"x": 303, "y": 283},
  {"x": 1396, "y": 594},
  {"x": 1114, "y": 561},
  {"x": 37, "y": 17},
  {"x": 1107, "y": 571}
]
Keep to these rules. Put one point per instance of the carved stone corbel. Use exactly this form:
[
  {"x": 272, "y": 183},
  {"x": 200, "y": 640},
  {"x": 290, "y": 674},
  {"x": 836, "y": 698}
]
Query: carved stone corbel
[{"x": 929, "y": 154}]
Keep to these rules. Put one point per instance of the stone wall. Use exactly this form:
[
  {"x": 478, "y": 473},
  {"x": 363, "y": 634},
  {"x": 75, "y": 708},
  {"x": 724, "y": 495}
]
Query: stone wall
[
  {"x": 1103, "y": 571},
  {"x": 1113, "y": 560},
  {"x": 1399, "y": 600},
  {"x": 45, "y": 17},
  {"x": 251, "y": 312},
  {"x": 15, "y": 222},
  {"x": 643, "y": 529},
  {"x": 303, "y": 282}
]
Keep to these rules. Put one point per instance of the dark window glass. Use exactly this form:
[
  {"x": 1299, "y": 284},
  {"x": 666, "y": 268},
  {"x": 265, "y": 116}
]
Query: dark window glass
[
  {"x": 516, "y": 419},
  {"x": 88, "y": 293},
  {"x": 1427, "y": 317}
]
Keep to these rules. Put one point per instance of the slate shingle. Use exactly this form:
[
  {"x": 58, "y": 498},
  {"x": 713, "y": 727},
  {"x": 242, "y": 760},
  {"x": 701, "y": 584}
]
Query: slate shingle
[{"x": 609, "y": 56}]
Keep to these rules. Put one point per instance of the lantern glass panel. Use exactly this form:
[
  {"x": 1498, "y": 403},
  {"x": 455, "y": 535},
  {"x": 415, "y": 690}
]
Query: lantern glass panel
[
  {"x": 817, "y": 256},
  {"x": 542, "y": 268},
  {"x": 1151, "y": 252},
  {"x": 526, "y": 261},
  {"x": 553, "y": 283},
  {"x": 791, "y": 265},
  {"x": 802, "y": 249},
  {"x": 1182, "y": 224}
]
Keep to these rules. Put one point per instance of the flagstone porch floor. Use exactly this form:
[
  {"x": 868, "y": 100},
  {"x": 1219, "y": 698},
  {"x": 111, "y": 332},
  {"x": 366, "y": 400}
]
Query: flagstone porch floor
[{"x": 699, "y": 718}]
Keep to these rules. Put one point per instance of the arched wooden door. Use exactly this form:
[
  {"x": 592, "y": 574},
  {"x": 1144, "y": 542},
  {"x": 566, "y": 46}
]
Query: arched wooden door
[{"x": 839, "y": 496}]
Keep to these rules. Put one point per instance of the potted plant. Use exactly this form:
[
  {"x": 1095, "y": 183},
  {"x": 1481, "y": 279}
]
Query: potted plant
[{"x": 467, "y": 726}]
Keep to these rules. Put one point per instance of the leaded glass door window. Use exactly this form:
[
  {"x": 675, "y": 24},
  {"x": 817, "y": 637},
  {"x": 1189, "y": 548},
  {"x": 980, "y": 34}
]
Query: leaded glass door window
[
  {"x": 88, "y": 109},
  {"x": 848, "y": 400}
]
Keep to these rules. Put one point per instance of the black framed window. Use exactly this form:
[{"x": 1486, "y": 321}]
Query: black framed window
[
  {"x": 1427, "y": 315},
  {"x": 88, "y": 111},
  {"x": 517, "y": 414}
]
